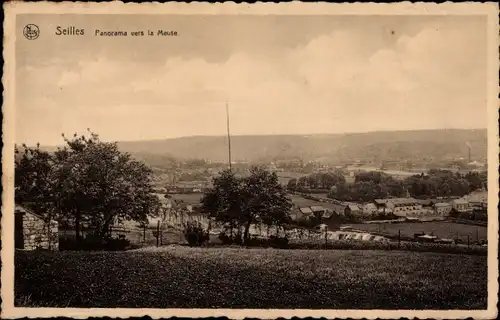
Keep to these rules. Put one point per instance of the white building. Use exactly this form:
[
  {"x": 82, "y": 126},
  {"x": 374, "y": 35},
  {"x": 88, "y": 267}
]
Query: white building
[
  {"x": 405, "y": 207},
  {"x": 460, "y": 205},
  {"x": 443, "y": 208}
]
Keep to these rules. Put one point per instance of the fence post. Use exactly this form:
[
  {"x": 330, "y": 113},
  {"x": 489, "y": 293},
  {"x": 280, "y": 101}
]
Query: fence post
[
  {"x": 158, "y": 234},
  {"x": 468, "y": 241},
  {"x": 399, "y": 238},
  {"x": 326, "y": 237}
]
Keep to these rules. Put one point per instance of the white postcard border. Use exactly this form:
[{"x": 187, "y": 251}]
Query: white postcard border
[{"x": 405, "y": 8}]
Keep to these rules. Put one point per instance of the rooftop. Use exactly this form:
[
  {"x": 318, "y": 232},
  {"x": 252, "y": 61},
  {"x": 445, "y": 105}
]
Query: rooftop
[
  {"x": 306, "y": 210},
  {"x": 442, "y": 204},
  {"x": 317, "y": 208},
  {"x": 354, "y": 207},
  {"x": 403, "y": 201}
]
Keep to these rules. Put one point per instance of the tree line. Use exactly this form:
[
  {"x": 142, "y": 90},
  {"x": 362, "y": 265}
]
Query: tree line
[
  {"x": 90, "y": 184},
  {"x": 317, "y": 181},
  {"x": 368, "y": 186},
  {"x": 445, "y": 183}
]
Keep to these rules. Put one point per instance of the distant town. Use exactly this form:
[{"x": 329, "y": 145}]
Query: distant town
[{"x": 327, "y": 196}]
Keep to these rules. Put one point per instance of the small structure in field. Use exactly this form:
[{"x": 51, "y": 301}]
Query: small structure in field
[{"x": 33, "y": 232}]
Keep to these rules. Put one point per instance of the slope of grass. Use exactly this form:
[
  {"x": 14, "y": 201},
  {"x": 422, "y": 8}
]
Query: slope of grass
[{"x": 181, "y": 277}]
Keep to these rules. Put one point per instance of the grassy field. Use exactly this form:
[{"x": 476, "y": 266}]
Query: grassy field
[
  {"x": 285, "y": 176},
  {"x": 299, "y": 200},
  {"x": 176, "y": 277},
  {"x": 303, "y": 202},
  {"x": 447, "y": 230},
  {"x": 191, "y": 198}
]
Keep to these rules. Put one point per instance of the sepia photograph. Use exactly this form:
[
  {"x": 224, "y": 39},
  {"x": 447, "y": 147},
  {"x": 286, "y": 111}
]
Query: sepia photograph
[{"x": 243, "y": 158}]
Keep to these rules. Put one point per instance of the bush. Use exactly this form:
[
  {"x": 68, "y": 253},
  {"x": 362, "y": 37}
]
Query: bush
[
  {"x": 257, "y": 242},
  {"x": 225, "y": 239},
  {"x": 195, "y": 234},
  {"x": 234, "y": 239},
  {"x": 278, "y": 242},
  {"x": 93, "y": 243}
]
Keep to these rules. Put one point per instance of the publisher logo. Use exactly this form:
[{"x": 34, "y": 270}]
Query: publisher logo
[{"x": 31, "y": 31}]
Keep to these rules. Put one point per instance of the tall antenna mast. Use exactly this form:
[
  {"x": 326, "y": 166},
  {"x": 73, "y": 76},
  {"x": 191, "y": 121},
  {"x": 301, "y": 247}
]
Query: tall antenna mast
[
  {"x": 468, "y": 147},
  {"x": 228, "y": 136}
]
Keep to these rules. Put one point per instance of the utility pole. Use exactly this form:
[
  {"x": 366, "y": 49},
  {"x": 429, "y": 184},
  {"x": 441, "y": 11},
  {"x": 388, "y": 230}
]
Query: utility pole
[{"x": 228, "y": 136}]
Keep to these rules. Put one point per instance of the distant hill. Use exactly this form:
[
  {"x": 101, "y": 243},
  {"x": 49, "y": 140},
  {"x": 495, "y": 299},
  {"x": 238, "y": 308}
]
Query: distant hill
[{"x": 373, "y": 146}]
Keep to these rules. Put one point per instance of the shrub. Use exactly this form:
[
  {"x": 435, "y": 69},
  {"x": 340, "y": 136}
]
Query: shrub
[
  {"x": 94, "y": 243},
  {"x": 257, "y": 242},
  {"x": 278, "y": 242},
  {"x": 234, "y": 239},
  {"x": 195, "y": 234},
  {"x": 225, "y": 239}
]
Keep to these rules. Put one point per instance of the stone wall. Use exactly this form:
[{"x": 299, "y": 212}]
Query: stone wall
[
  {"x": 178, "y": 218},
  {"x": 36, "y": 233}
]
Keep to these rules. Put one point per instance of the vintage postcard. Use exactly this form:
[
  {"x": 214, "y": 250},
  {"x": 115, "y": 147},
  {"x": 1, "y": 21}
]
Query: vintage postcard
[{"x": 250, "y": 160}]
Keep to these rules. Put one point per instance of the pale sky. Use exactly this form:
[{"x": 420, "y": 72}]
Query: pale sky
[{"x": 280, "y": 75}]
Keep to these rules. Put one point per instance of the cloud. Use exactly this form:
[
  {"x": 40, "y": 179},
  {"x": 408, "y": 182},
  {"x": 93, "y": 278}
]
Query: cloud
[{"x": 434, "y": 78}]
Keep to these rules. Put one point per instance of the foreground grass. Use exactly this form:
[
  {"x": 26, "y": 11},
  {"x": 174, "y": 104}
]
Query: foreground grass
[{"x": 177, "y": 277}]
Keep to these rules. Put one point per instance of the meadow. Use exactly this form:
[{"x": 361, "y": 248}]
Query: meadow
[
  {"x": 285, "y": 176},
  {"x": 191, "y": 198},
  {"x": 442, "y": 229},
  {"x": 303, "y": 202},
  {"x": 183, "y": 277}
]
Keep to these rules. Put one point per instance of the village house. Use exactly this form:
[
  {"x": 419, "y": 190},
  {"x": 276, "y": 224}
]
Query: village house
[
  {"x": 327, "y": 214},
  {"x": 301, "y": 213},
  {"x": 460, "y": 205},
  {"x": 477, "y": 200},
  {"x": 405, "y": 207},
  {"x": 318, "y": 211},
  {"x": 428, "y": 203},
  {"x": 381, "y": 205},
  {"x": 33, "y": 232},
  {"x": 370, "y": 209},
  {"x": 339, "y": 209},
  {"x": 442, "y": 209},
  {"x": 353, "y": 210}
]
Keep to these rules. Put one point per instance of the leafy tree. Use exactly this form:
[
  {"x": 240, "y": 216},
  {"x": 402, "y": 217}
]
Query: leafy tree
[
  {"x": 308, "y": 168},
  {"x": 330, "y": 179},
  {"x": 87, "y": 180},
  {"x": 241, "y": 202},
  {"x": 442, "y": 183},
  {"x": 477, "y": 180},
  {"x": 302, "y": 183},
  {"x": 221, "y": 202},
  {"x": 263, "y": 200},
  {"x": 35, "y": 180},
  {"x": 292, "y": 184}
]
